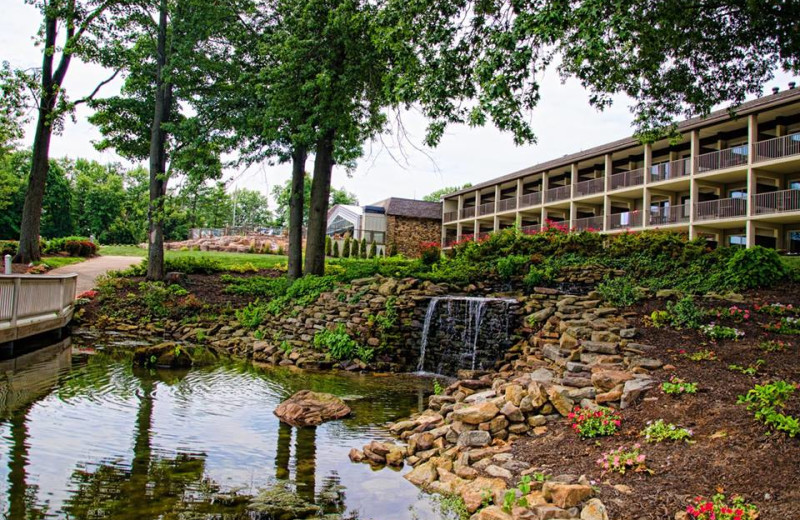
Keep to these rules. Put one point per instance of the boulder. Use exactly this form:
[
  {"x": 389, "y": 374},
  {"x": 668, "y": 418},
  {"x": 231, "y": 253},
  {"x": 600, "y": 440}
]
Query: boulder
[
  {"x": 423, "y": 474},
  {"x": 473, "y": 493},
  {"x": 474, "y": 439},
  {"x": 477, "y": 413},
  {"x": 307, "y": 408},
  {"x": 566, "y": 495},
  {"x": 493, "y": 513},
  {"x": 606, "y": 380},
  {"x": 168, "y": 354},
  {"x": 560, "y": 402},
  {"x": 594, "y": 510},
  {"x": 633, "y": 389}
]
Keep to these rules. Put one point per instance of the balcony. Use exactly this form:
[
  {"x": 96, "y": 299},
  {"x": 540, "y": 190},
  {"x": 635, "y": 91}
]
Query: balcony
[
  {"x": 721, "y": 209},
  {"x": 628, "y": 219},
  {"x": 627, "y": 179},
  {"x": 671, "y": 170},
  {"x": 588, "y": 223},
  {"x": 590, "y": 187},
  {"x": 486, "y": 209},
  {"x": 468, "y": 212},
  {"x": 776, "y": 202},
  {"x": 678, "y": 214},
  {"x": 728, "y": 158},
  {"x": 450, "y": 216},
  {"x": 530, "y": 199},
  {"x": 507, "y": 205},
  {"x": 559, "y": 193},
  {"x": 777, "y": 148}
]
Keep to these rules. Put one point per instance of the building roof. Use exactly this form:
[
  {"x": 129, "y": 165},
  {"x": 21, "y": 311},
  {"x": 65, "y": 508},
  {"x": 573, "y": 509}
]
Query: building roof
[
  {"x": 411, "y": 208},
  {"x": 350, "y": 212},
  {"x": 717, "y": 116}
]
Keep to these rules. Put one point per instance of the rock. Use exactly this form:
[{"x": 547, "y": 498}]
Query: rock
[
  {"x": 627, "y": 333},
  {"x": 633, "y": 389},
  {"x": 537, "y": 420},
  {"x": 174, "y": 277},
  {"x": 514, "y": 394},
  {"x": 356, "y": 455},
  {"x": 600, "y": 347},
  {"x": 401, "y": 426},
  {"x": 477, "y": 413},
  {"x": 537, "y": 394},
  {"x": 388, "y": 287},
  {"x": 497, "y": 471},
  {"x": 307, "y": 408},
  {"x": 542, "y": 375},
  {"x": 610, "y": 396},
  {"x": 605, "y": 336},
  {"x": 422, "y": 475},
  {"x": 466, "y": 472},
  {"x": 526, "y": 405},
  {"x": 492, "y": 513},
  {"x": 561, "y": 403},
  {"x": 566, "y": 495},
  {"x": 167, "y": 354},
  {"x": 282, "y": 502},
  {"x": 606, "y": 380},
  {"x": 594, "y": 510},
  {"x": 568, "y": 342},
  {"x": 474, "y": 439},
  {"x": 480, "y": 397},
  {"x": 645, "y": 362},
  {"x": 547, "y": 512},
  {"x": 474, "y": 492},
  {"x": 512, "y": 412},
  {"x": 542, "y": 315}
]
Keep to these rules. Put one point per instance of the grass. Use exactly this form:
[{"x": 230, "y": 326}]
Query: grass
[
  {"x": 54, "y": 262},
  {"x": 226, "y": 259},
  {"x": 792, "y": 262}
]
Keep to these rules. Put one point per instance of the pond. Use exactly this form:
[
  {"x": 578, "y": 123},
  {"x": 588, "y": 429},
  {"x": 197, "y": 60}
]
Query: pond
[{"x": 85, "y": 435}]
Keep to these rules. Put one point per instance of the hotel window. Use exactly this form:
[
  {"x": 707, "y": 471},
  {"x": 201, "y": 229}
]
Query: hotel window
[
  {"x": 738, "y": 193},
  {"x": 794, "y": 241},
  {"x": 737, "y": 240},
  {"x": 794, "y": 185}
]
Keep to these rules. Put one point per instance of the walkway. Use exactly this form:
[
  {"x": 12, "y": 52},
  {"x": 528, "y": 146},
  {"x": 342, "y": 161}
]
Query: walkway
[{"x": 91, "y": 269}]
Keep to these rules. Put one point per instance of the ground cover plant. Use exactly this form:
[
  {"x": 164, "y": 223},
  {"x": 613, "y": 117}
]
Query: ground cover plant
[
  {"x": 622, "y": 460},
  {"x": 660, "y": 431},
  {"x": 589, "y": 423}
]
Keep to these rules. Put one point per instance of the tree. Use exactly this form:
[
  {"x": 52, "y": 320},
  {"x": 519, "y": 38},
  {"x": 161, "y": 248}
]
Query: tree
[
  {"x": 346, "y": 249},
  {"x": 252, "y": 209},
  {"x": 98, "y": 195},
  {"x": 437, "y": 195},
  {"x": 363, "y": 247},
  {"x": 373, "y": 249},
  {"x": 335, "y": 252},
  {"x": 281, "y": 193},
  {"x": 83, "y": 24}
]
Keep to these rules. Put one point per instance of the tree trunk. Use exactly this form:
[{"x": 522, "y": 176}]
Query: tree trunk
[
  {"x": 318, "y": 212},
  {"x": 28, "y": 250},
  {"x": 158, "y": 155},
  {"x": 296, "y": 213}
]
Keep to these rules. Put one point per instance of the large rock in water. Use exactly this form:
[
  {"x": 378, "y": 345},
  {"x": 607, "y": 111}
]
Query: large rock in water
[{"x": 307, "y": 408}]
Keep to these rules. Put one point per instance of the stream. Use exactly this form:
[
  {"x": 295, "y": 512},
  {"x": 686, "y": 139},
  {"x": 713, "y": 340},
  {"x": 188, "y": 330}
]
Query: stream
[{"x": 85, "y": 435}]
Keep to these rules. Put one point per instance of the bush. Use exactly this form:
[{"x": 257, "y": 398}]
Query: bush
[
  {"x": 252, "y": 315},
  {"x": 620, "y": 292},
  {"x": 158, "y": 298},
  {"x": 328, "y": 246},
  {"x": 8, "y": 247},
  {"x": 430, "y": 253},
  {"x": 59, "y": 245},
  {"x": 346, "y": 248},
  {"x": 183, "y": 264},
  {"x": 363, "y": 252},
  {"x": 335, "y": 250},
  {"x": 590, "y": 423},
  {"x": 512, "y": 266},
  {"x": 754, "y": 268},
  {"x": 82, "y": 248},
  {"x": 684, "y": 313},
  {"x": 765, "y": 401},
  {"x": 373, "y": 249},
  {"x": 337, "y": 342}
]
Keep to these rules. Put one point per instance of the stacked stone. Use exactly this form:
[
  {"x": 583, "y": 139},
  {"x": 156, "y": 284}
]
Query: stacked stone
[{"x": 232, "y": 244}]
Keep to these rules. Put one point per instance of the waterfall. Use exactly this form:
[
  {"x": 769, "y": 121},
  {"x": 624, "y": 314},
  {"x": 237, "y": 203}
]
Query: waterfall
[{"x": 467, "y": 332}]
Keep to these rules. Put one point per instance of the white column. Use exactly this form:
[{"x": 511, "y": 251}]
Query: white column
[
  {"x": 694, "y": 140},
  {"x": 573, "y": 179},
  {"x": 606, "y": 199}
]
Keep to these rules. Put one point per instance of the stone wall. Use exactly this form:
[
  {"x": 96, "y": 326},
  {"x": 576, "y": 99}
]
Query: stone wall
[
  {"x": 234, "y": 244},
  {"x": 408, "y": 232}
]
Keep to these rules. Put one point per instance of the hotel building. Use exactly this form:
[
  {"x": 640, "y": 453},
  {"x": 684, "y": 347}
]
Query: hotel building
[{"x": 733, "y": 180}]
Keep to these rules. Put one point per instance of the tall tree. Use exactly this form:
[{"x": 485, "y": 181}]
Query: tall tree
[{"x": 81, "y": 24}]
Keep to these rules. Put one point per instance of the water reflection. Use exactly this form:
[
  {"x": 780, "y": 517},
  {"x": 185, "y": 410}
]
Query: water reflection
[{"x": 89, "y": 437}]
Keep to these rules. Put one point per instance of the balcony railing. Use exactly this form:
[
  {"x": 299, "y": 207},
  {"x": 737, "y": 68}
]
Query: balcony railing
[
  {"x": 721, "y": 209},
  {"x": 468, "y": 212},
  {"x": 588, "y": 223},
  {"x": 776, "y": 202},
  {"x": 627, "y": 179},
  {"x": 532, "y": 229},
  {"x": 628, "y": 219},
  {"x": 671, "y": 170},
  {"x": 670, "y": 215},
  {"x": 530, "y": 199},
  {"x": 559, "y": 193},
  {"x": 486, "y": 209},
  {"x": 728, "y": 158},
  {"x": 450, "y": 216},
  {"x": 507, "y": 205},
  {"x": 778, "y": 147},
  {"x": 590, "y": 187}
]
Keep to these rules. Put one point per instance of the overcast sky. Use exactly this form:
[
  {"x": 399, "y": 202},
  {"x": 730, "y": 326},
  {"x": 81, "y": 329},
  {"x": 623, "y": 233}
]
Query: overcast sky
[{"x": 564, "y": 123}]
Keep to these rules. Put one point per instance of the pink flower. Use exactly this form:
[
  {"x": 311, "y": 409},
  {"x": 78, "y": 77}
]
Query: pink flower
[{"x": 640, "y": 459}]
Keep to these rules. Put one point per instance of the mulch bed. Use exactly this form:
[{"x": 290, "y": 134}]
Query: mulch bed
[{"x": 731, "y": 452}]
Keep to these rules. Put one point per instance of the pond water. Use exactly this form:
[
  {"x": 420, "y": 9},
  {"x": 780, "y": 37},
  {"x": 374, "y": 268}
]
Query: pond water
[{"x": 84, "y": 435}]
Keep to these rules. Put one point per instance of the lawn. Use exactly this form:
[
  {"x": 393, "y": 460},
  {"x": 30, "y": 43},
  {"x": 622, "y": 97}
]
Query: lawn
[
  {"x": 226, "y": 259},
  {"x": 793, "y": 262},
  {"x": 54, "y": 262}
]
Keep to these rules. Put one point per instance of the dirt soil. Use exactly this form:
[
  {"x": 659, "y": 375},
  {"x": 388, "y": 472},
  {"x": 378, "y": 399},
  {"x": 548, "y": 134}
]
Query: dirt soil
[{"x": 730, "y": 452}]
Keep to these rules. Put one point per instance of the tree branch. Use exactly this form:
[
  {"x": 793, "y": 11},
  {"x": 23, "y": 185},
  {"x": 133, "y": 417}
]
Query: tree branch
[{"x": 97, "y": 88}]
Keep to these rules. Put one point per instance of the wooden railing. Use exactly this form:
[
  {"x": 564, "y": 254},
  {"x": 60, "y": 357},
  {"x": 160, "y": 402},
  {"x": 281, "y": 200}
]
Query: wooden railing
[
  {"x": 530, "y": 199},
  {"x": 468, "y": 212},
  {"x": 590, "y": 187},
  {"x": 450, "y": 216},
  {"x": 671, "y": 170},
  {"x": 627, "y": 179},
  {"x": 558, "y": 193},
  {"x": 670, "y": 215},
  {"x": 588, "y": 223},
  {"x": 507, "y": 205},
  {"x": 486, "y": 209},
  {"x": 628, "y": 219},
  {"x": 31, "y": 304},
  {"x": 776, "y": 148},
  {"x": 776, "y": 202},
  {"x": 721, "y": 209},
  {"x": 728, "y": 158}
]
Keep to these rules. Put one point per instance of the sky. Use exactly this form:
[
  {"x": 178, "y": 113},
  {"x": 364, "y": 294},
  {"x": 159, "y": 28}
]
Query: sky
[{"x": 564, "y": 123}]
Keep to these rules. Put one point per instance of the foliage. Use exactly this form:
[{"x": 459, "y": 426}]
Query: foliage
[
  {"x": 590, "y": 423},
  {"x": 199, "y": 264},
  {"x": 622, "y": 459},
  {"x": 335, "y": 251},
  {"x": 684, "y": 313},
  {"x": 775, "y": 309},
  {"x": 430, "y": 252},
  {"x": 734, "y": 312},
  {"x": 303, "y": 292},
  {"x": 786, "y": 325},
  {"x": 437, "y": 387},
  {"x": 436, "y": 196},
  {"x": 346, "y": 247},
  {"x": 773, "y": 346},
  {"x": 701, "y": 355},
  {"x": 451, "y": 507},
  {"x": 755, "y": 267},
  {"x": 677, "y": 386},
  {"x": 718, "y": 332},
  {"x": 282, "y": 192},
  {"x": 252, "y": 315},
  {"x": 373, "y": 249},
  {"x": 257, "y": 286},
  {"x": 660, "y": 431},
  {"x": 718, "y": 509},
  {"x": 765, "y": 401},
  {"x": 365, "y": 354},
  {"x": 620, "y": 292},
  {"x": 337, "y": 342},
  {"x": 749, "y": 370},
  {"x": 158, "y": 298},
  {"x": 511, "y": 266}
]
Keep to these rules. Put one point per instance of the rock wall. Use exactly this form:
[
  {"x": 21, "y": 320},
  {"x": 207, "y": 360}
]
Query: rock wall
[
  {"x": 234, "y": 244},
  {"x": 408, "y": 233}
]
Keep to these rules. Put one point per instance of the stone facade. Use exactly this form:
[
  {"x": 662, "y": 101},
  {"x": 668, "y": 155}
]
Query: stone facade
[{"x": 409, "y": 232}]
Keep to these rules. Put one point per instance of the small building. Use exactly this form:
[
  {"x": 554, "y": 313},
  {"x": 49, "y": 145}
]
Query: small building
[{"x": 404, "y": 223}]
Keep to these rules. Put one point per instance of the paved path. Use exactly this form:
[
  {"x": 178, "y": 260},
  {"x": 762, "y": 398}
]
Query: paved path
[{"x": 91, "y": 269}]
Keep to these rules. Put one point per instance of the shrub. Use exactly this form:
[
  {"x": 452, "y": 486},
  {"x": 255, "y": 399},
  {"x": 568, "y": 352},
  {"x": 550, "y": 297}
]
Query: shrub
[
  {"x": 676, "y": 386},
  {"x": 80, "y": 248},
  {"x": 365, "y": 354},
  {"x": 511, "y": 266},
  {"x": 363, "y": 252},
  {"x": 59, "y": 245},
  {"x": 620, "y": 292},
  {"x": 590, "y": 423},
  {"x": 158, "y": 298},
  {"x": 718, "y": 509},
  {"x": 335, "y": 250},
  {"x": 373, "y": 249},
  {"x": 430, "y": 252},
  {"x": 328, "y": 246},
  {"x": 660, "y": 431},
  {"x": 346, "y": 248},
  {"x": 183, "y": 264},
  {"x": 337, "y": 342},
  {"x": 252, "y": 315},
  {"x": 753, "y": 268},
  {"x": 684, "y": 313},
  {"x": 622, "y": 460},
  {"x": 8, "y": 247},
  {"x": 393, "y": 249},
  {"x": 765, "y": 400},
  {"x": 257, "y": 286}
]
